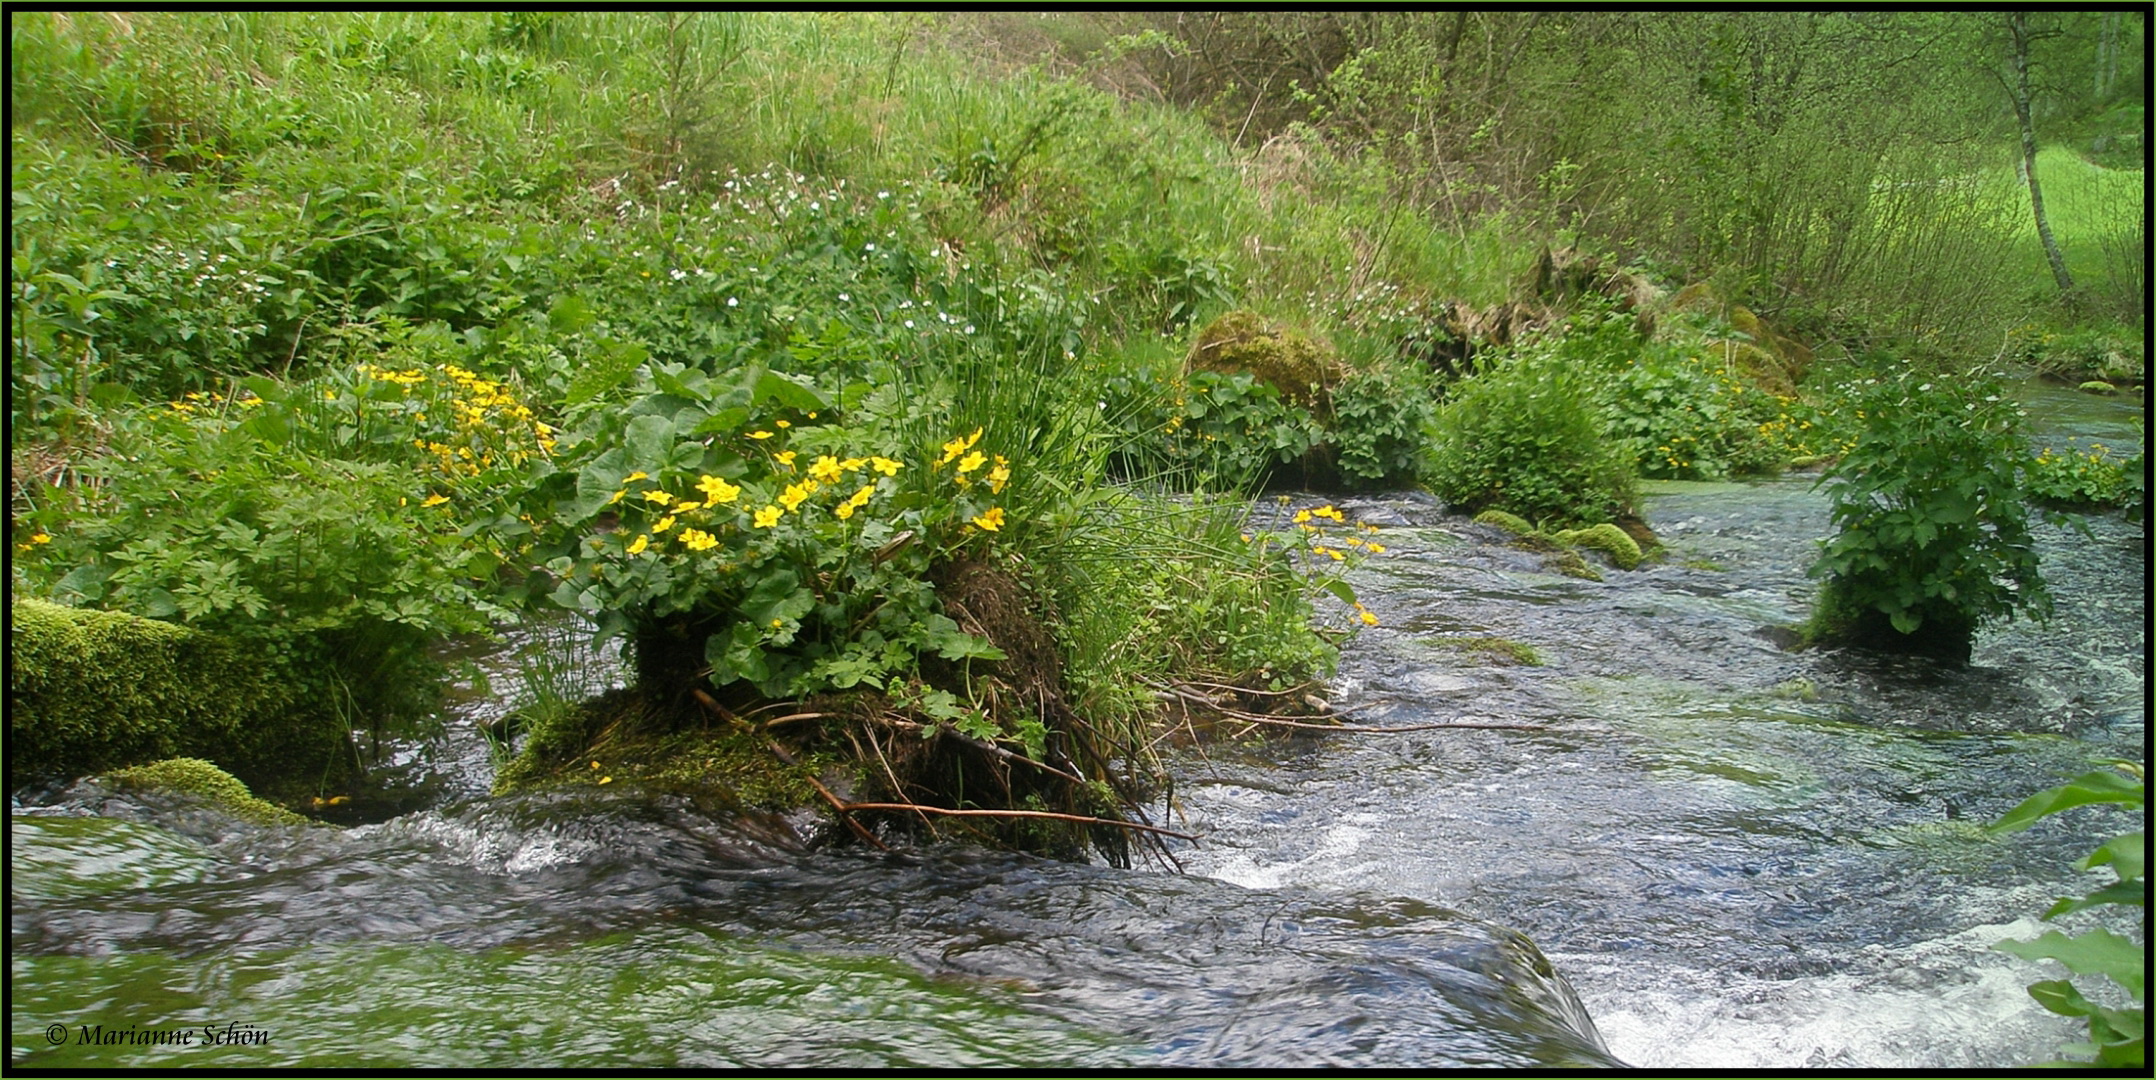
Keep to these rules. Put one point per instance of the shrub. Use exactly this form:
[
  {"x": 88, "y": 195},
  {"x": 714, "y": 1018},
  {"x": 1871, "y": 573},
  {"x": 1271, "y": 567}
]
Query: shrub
[
  {"x": 1691, "y": 418},
  {"x": 1528, "y": 436},
  {"x": 2083, "y": 479},
  {"x": 1933, "y": 536},
  {"x": 1380, "y": 427}
]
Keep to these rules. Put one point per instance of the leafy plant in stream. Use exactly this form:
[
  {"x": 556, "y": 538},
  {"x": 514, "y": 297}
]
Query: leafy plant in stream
[
  {"x": 738, "y": 526},
  {"x": 1933, "y": 536},
  {"x": 2117, "y": 1036},
  {"x": 1527, "y": 435}
]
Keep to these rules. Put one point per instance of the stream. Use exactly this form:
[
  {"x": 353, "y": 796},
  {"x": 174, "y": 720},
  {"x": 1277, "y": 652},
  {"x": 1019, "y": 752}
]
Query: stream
[{"x": 1706, "y": 852}]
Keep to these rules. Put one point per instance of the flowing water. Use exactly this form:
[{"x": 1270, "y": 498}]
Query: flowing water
[{"x": 1734, "y": 855}]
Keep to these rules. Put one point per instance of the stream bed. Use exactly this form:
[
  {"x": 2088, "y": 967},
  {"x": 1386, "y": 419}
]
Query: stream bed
[{"x": 1706, "y": 852}]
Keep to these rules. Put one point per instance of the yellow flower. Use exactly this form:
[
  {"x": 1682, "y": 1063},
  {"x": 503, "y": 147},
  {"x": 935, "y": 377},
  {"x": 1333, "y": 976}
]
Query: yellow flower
[
  {"x": 999, "y": 476},
  {"x": 992, "y": 520},
  {"x": 852, "y": 464},
  {"x": 885, "y": 465},
  {"x": 434, "y": 500},
  {"x": 1375, "y": 549},
  {"x": 785, "y": 423},
  {"x": 793, "y": 496},
  {"x": 717, "y": 491},
  {"x": 664, "y": 524},
  {"x": 1329, "y": 512},
  {"x": 1363, "y": 613},
  {"x": 635, "y": 476},
  {"x": 955, "y": 447},
  {"x": 41, "y": 538},
  {"x": 637, "y": 546},
  {"x": 856, "y": 501},
  {"x": 784, "y": 457},
  {"x": 827, "y": 469},
  {"x": 768, "y": 516},
  {"x": 698, "y": 540},
  {"x": 1302, "y": 516},
  {"x": 657, "y": 496},
  {"x": 759, "y": 434},
  {"x": 972, "y": 461},
  {"x": 616, "y": 497}
]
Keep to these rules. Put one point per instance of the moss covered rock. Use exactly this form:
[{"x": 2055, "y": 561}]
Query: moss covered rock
[
  {"x": 1301, "y": 367},
  {"x": 1607, "y": 539},
  {"x": 91, "y": 691},
  {"x": 1511, "y": 523},
  {"x": 200, "y": 779}
]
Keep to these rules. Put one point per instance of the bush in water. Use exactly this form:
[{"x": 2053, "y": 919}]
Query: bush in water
[
  {"x": 1934, "y": 535},
  {"x": 1527, "y": 436}
]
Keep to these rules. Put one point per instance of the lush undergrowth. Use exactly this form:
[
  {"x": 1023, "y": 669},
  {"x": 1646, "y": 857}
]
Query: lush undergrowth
[{"x": 807, "y": 354}]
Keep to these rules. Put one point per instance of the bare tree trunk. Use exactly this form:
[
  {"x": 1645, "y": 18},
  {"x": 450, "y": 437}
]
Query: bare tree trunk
[{"x": 2018, "y": 23}]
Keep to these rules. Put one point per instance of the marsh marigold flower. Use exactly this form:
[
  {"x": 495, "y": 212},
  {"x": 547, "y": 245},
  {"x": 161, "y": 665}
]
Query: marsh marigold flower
[
  {"x": 990, "y": 521},
  {"x": 885, "y": 465},
  {"x": 698, "y": 540},
  {"x": 768, "y": 516},
  {"x": 717, "y": 491},
  {"x": 637, "y": 546}
]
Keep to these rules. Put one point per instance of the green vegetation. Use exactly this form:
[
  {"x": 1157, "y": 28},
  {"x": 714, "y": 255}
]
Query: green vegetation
[
  {"x": 90, "y": 691},
  {"x": 200, "y": 779},
  {"x": 1933, "y": 536},
  {"x": 1497, "y": 650},
  {"x": 851, "y": 356},
  {"x": 1525, "y": 436},
  {"x": 2117, "y": 1036}
]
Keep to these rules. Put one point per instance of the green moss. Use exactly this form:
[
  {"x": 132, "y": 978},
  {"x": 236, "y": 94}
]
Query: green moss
[
  {"x": 1511, "y": 523},
  {"x": 606, "y": 741},
  {"x": 199, "y": 778},
  {"x": 1607, "y": 539},
  {"x": 1302, "y": 368},
  {"x": 91, "y": 691},
  {"x": 2098, "y": 386},
  {"x": 1569, "y": 563},
  {"x": 1501, "y": 650}
]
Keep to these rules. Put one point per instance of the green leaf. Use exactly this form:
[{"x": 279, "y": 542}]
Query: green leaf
[
  {"x": 2118, "y": 892},
  {"x": 1339, "y": 588},
  {"x": 951, "y": 643},
  {"x": 722, "y": 422},
  {"x": 2060, "y": 997},
  {"x": 649, "y": 440},
  {"x": 2100, "y": 786},
  {"x": 2125, "y": 854},
  {"x": 772, "y": 386},
  {"x": 571, "y": 315},
  {"x": 2098, "y": 952}
]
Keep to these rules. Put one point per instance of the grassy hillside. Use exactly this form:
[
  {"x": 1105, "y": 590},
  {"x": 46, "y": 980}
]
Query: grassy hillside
[{"x": 833, "y": 358}]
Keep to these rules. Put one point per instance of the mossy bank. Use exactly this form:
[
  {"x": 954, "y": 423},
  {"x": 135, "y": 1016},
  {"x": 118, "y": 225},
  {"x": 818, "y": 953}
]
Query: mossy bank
[{"x": 92, "y": 691}]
